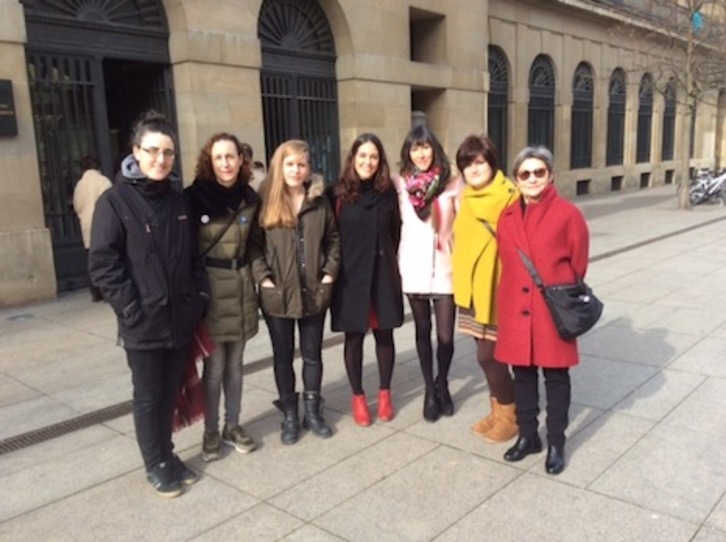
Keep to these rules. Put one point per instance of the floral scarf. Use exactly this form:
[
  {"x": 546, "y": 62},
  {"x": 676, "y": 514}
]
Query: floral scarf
[{"x": 423, "y": 187}]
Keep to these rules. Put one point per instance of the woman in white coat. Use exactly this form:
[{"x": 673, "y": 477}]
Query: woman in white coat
[{"x": 427, "y": 197}]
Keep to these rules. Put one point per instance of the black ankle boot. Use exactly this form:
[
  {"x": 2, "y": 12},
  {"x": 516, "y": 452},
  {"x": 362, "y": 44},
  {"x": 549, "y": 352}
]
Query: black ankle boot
[
  {"x": 446, "y": 405},
  {"x": 431, "y": 406},
  {"x": 522, "y": 448},
  {"x": 313, "y": 419},
  {"x": 290, "y": 423},
  {"x": 555, "y": 462}
]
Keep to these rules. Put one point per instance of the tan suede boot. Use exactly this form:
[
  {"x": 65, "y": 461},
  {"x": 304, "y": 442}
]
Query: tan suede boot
[
  {"x": 505, "y": 424},
  {"x": 486, "y": 423}
]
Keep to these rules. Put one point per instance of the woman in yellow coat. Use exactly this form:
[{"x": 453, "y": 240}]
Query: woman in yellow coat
[{"x": 476, "y": 273}]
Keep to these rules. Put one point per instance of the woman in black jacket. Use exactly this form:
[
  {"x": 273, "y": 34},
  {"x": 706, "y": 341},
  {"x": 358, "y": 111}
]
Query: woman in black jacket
[
  {"x": 367, "y": 294},
  {"x": 142, "y": 259}
]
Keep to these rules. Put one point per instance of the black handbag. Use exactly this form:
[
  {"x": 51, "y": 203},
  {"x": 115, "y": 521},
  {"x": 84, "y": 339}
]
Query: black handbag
[{"x": 574, "y": 308}]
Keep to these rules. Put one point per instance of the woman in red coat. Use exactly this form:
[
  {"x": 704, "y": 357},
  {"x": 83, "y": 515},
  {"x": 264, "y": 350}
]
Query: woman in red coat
[{"x": 553, "y": 233}]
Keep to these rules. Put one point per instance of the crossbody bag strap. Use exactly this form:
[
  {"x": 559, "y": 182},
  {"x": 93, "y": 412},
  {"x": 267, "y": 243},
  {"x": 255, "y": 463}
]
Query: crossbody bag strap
[
  {"x": 488, "y": 227},
  {"x": 227, "y": 226},
  {"x": 530, "y": 268}
]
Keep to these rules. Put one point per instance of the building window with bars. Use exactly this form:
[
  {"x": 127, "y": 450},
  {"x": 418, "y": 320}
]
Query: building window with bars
[
  {"x": 645, "y": 119},
  {"x": 497, "y": 112},
  {"x": 616, "y": 119},
  {"x": 541, "y": 114},
  {"x": 581, "y": 127},
  {"x": 298, "y": 81},
  {"x": 669, "y": 122}
]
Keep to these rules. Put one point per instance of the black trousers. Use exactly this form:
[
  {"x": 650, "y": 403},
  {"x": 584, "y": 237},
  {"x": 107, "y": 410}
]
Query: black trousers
[
  {"x": 282, "y": 335},
  {"x": 526, "y": 397},
  {"x": 156, "y": 376}
]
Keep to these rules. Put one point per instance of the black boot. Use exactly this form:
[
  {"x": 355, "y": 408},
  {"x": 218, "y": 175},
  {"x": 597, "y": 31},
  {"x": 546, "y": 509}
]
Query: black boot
[
  {"x": 314, "y": 415},
  {"x": 446, "y": 405},
  {"x": 290, "y": 422},
  {"x": 431, "y": 410},
  {"x": 522, "y": 448},
  {"x": 555, "y": 462}
]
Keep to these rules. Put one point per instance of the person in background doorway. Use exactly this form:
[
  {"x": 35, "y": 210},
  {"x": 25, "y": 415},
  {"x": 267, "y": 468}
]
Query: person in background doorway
[
  {"x": 476, "y": 273},
  {"x": 295, "y": 264},
  {"x": 88, "y": 189},
  {"x": 368, "y": 292},
  {"x": 143, "y": 258},
  {"x": 427, "y": 195},
  {"x": 258, "y": 171},
  {"x": 225, "y": 210},
  {"x": 553, "y": 233}
]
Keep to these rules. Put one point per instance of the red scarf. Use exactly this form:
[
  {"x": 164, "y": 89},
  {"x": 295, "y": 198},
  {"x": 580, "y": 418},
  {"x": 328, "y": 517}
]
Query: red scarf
[{"x": 190, "y": 398}]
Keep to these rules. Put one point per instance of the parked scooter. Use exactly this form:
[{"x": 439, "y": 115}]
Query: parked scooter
[{"x": 708, "y": 188}]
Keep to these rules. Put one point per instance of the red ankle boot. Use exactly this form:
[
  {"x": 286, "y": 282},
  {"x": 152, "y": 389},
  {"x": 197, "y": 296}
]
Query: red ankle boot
[
  {"x": 360, "y": 410},
  {"x": 385, "y": 406}
]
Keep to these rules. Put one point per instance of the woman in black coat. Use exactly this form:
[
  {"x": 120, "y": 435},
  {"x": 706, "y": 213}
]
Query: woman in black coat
[
  {"x": 367, "y": 294},
  {"x": 142, "y": 257}
]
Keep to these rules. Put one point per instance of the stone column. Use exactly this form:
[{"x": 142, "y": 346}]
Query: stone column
[{"x": 26, "y": 267}]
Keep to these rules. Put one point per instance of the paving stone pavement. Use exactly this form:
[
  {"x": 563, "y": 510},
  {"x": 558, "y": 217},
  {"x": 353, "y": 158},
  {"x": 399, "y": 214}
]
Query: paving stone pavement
[{"x": 645, "y": 447}]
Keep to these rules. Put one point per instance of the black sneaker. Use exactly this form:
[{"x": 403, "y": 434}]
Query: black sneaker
[
  {"x": 183, "y": 473},
  {"x": 236, "y": 436},
  {"x": 211, "y": 443},
  {"x": 162, "y": 477}
]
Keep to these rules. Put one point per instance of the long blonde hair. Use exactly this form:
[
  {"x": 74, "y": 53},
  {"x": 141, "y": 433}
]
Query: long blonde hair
[{"x": 277, "y": 208}]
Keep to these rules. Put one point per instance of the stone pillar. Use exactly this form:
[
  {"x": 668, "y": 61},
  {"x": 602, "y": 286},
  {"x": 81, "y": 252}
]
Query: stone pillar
[
  {"x": 26, "y": 266},
  {"x": 216, "y": 62}
]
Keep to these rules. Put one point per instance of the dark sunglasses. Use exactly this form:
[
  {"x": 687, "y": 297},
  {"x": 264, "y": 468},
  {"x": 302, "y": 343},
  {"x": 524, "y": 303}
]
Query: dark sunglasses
[{"x": 538, "y": 173}]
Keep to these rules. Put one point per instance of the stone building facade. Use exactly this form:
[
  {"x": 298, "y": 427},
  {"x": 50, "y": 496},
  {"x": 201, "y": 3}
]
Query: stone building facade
[{"x": 324, "y": 70}]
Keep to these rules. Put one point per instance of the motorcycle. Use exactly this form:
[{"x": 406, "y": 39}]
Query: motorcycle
[{"x": 707, "y": 188}]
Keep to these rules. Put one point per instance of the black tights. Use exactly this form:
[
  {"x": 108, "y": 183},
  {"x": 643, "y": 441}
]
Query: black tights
[
  {"x": 499, "y": 380},
  {"x": 385, "y": 354},
  {"x": 445, "y": 315}
]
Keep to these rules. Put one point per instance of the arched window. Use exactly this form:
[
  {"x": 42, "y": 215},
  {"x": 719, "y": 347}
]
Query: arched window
[
  {"x": 669, "y": 122},
  {"x": 645, "y": 119},
  {"x": 616, "y": 119},
  {"x": 497, "y": 127},
  {"x": 541, "y": 117},
  {"x": 581, "y": 127},
  {"x": 299, "y": 87}
]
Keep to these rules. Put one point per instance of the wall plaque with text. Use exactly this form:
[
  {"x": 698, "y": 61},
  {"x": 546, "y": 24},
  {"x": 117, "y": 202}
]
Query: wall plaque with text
[{"x": 8, "y": 122}]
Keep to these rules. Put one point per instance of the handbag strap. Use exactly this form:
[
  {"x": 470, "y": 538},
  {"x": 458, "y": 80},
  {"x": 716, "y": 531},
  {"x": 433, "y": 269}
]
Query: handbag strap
[
  {"x": 218, "y": 237},
  {"x": 531, "y": 268},
  {"x": 488, "y": 227}
]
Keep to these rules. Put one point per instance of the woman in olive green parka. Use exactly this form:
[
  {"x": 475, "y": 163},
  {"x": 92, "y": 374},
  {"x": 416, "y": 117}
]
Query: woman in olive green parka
[
  {"x": 225, "y": 210},
  {"x": 295, "y": 266}
]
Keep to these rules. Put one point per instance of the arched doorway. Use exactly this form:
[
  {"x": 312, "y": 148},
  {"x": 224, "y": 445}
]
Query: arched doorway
[
  {"x": 92, "y": 68},
  {"x": 299, "y": 87}
]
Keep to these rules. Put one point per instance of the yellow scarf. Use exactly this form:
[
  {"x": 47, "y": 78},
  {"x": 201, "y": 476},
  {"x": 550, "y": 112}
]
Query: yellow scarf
[{"x": 475, "y": 261}]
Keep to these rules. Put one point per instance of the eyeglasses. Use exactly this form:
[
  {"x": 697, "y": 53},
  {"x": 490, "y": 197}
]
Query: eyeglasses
[
  {"x": 538, "y": 173},
  {"x": 154, "y": 152}
]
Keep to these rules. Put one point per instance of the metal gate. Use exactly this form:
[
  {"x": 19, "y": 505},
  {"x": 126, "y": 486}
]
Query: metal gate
[
  {"x": 63, "y": 94},
  {"x": 299, "y": 92},
  {"x": 84, "y": 105},
  {"x": 92, "y": 68},
  {"x": 303, "y": 107}
]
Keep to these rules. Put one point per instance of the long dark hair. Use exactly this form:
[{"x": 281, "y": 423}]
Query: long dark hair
[
  {"x": 421, "y": 135},
  {"x": 348, "y": 186}
]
